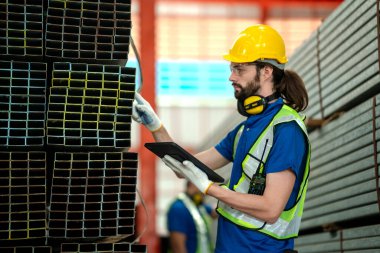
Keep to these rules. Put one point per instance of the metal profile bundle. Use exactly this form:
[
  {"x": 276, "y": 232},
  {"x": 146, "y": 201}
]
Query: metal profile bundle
[
  {"x": 22, "y": 103},
  {"x": 365, "y": 239},
  {"x": 340, "y": 68},
  {"x": 22, "y": 195},
  {"x": 21, "y": 28},
  {"x": 26, "y": 249},
  {"x": 342, "y": 184},
  {"x": 90, "y": 105},
  {"x": 93, "y": 195},
  {"x": 139, "y": 248},
  {"x": 339, "y": 62},
  {"x": 103, "y": 248},
  {"x": 88, "y": 30}
]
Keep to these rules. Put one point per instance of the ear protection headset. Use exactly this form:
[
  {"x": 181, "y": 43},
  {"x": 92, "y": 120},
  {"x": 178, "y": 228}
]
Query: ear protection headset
[
  {"x": 255, "y": 104},
  {"x": 197, "y": 198}
]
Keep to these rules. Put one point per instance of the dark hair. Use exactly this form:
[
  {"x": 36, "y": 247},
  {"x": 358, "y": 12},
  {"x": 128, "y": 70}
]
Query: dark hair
[{"x": 291, "y": 87}]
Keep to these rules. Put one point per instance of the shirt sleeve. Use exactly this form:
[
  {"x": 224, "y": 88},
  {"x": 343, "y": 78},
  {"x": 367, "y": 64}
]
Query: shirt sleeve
[
  {"x": 178, "y": 218},
  {"x": 289, "y": 149},
  {"x": 226, "y": 145},
  {"x": 209, "y": 209}
]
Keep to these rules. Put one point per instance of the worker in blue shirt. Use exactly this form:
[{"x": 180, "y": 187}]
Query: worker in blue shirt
[
  {"x": 260, "y": 206},
  {"x": 189, "y": 222}
]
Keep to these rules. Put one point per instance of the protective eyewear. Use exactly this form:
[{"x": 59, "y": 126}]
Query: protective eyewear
[{"x": 240, "y": 68}]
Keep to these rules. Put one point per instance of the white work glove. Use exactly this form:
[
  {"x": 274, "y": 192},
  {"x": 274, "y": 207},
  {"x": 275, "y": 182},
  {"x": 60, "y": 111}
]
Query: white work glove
[
  {"x": 190, "y": 172},
  {"x": 143, "y": 113},
  {"x": 172, "y": 164}
]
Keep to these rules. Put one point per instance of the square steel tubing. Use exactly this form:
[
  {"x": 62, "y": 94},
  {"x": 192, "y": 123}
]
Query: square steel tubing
[
  {"x": 88, "y": 30},
  {"x": 93, "y": 194},
  {"x": 95, "y": 247},
  {"x": 21, "y": 28},
  {"x": 22, "y": 103},
  {"x": 26, "y": 249},
  {"x": 90, "y": 105},
  {"x": 22, "y": 195}
]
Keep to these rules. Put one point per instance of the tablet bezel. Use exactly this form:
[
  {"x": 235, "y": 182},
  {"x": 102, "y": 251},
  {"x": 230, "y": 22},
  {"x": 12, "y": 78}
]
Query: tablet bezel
[{"x": 174, "y": 150}]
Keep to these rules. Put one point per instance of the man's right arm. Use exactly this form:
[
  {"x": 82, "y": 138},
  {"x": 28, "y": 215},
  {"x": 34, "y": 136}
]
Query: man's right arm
[
  {"x": 212, "y": 158},
  {"x": 143, "y": 113},
  {"x": 161, "y": 135}
]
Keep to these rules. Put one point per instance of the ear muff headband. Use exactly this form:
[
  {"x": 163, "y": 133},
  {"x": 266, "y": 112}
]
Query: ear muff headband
[{"x": 255, "y": 104}]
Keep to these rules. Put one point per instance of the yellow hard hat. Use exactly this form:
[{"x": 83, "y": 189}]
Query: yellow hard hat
[{"x": 258, "y": 43}]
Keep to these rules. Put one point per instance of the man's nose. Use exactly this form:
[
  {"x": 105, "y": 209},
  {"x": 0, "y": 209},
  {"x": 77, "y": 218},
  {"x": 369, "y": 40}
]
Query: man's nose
[{"x": 232, "y": 77}]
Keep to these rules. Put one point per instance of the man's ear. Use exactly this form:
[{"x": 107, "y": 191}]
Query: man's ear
[{"x": 267, "y": 72}]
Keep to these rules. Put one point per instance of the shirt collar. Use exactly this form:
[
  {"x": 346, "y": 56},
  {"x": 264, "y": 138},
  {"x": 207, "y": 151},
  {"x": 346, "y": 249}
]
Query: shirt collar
[{"x": 269, "y": 110}]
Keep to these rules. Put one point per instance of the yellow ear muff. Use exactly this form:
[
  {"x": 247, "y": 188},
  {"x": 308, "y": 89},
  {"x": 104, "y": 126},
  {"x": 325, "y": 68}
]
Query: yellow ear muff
[
  {"x": 254, "y": 105},
  {"x": 197, "y": 198}
]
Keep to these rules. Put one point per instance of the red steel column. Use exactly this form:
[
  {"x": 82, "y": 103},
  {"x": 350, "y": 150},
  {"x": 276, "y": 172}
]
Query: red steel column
[
  {"x": 146, "y": 158},
  {"x": 263, "y": 14}
]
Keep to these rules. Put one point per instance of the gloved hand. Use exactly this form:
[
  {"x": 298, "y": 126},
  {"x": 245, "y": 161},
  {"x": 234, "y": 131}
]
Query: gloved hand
[
  {"x": 190, "y": 172},
  {"x": 173, "y": 164},
  {"x": 143, "y": 113}
]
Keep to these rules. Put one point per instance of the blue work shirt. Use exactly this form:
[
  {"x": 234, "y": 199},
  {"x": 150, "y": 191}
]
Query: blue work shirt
[
  {"x": 290, "y": 149},
  {"x": 180, "y": 220}
]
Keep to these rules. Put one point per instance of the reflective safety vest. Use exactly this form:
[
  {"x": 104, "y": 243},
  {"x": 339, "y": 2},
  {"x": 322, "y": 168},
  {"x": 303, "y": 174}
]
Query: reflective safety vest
[
  {"x": 202, "y": 222},
  {"x": 287, "y": 225}
]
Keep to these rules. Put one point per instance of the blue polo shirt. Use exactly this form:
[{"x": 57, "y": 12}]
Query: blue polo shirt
[
  {"x": 180, "y": 220},
  {"x": 289, "y": 151}
]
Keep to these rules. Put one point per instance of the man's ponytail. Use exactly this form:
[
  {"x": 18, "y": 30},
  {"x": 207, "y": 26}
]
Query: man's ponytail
[{"x": 291, "y": 87}]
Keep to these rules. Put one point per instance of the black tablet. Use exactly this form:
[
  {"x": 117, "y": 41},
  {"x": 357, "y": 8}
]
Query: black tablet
[{"x": 177, "y": 152}]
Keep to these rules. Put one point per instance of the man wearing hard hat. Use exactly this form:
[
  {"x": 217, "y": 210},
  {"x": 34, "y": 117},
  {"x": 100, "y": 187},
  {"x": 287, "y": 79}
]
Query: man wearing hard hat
[{"x": 260, "y": 206}]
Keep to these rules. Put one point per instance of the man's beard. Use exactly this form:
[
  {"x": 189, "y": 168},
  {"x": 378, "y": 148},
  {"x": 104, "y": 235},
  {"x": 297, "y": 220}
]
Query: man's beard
[{"x": 251, "y": 89}]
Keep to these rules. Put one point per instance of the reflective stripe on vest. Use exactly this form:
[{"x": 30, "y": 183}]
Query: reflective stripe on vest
[
  {"x": 287, "y": 225},
  {"x": 200, "y": 218}
]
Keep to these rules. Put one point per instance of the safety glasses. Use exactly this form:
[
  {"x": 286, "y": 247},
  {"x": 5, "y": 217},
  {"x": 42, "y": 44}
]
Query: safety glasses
[{"x": 240, "y": 68}]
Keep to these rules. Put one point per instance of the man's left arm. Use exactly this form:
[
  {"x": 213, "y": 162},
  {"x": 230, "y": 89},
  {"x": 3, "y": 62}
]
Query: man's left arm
[
  {"x": 267, "y": 207},
  {"x": 284, "y": 171}
]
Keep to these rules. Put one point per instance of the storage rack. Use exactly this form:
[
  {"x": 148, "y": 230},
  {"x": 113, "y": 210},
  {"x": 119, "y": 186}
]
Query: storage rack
[{"x": 65, "y": 125}]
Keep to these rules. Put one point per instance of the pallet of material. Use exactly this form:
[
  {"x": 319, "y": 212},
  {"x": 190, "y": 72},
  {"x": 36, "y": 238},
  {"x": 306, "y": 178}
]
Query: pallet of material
[
  {"x": 339, "y": 62},
  {"x": 342, "y": 184},
  {"x": 363, "y": 239}
]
